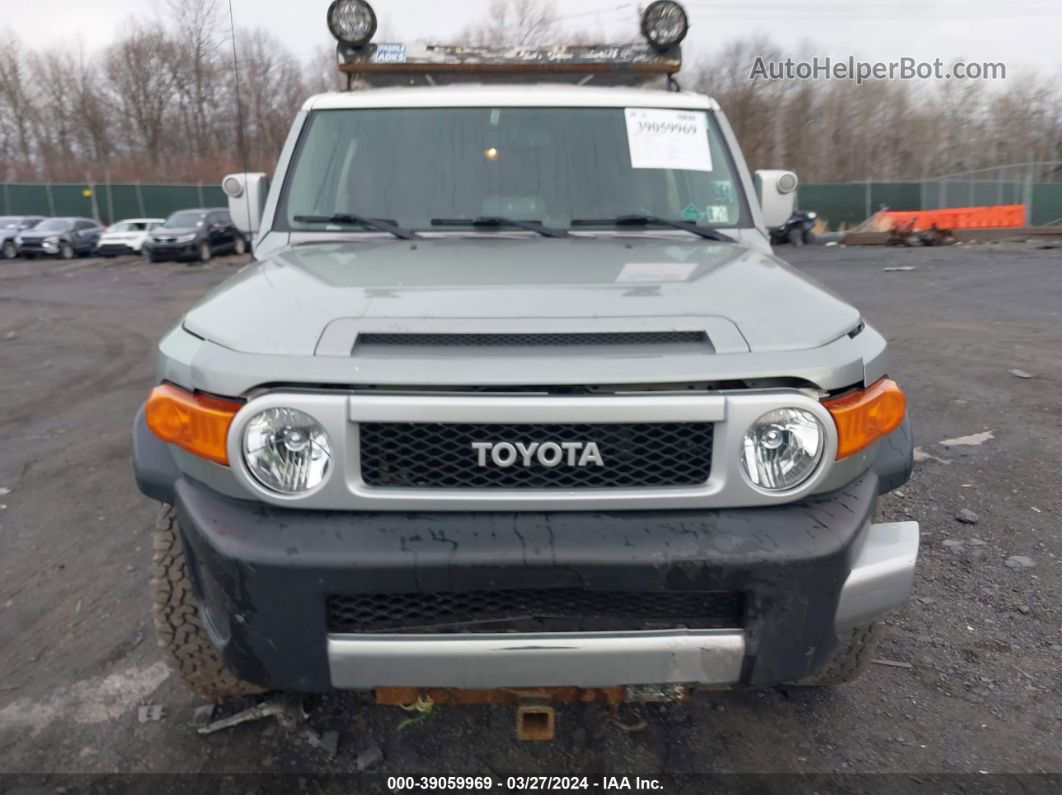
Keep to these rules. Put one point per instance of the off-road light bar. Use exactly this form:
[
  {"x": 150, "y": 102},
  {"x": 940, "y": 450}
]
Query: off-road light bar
[
  {"x": 352, "y": 22},
  {"x": 664, "y": 24}
]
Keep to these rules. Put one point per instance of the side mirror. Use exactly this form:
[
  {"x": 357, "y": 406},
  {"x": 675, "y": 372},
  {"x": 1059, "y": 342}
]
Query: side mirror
[
  {"x": 247, "y": 193},
  {"x": 777, "y": 192}
]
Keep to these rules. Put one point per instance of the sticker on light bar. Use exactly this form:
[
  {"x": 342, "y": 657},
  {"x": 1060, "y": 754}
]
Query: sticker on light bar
[
  {"x": 672, "y": 139},
  {"x": 389, "y": 53}
]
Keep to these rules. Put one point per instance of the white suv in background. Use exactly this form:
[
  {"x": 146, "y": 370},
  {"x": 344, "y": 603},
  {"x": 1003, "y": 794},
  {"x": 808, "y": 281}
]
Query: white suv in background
[{"x": 126, "y": 237}]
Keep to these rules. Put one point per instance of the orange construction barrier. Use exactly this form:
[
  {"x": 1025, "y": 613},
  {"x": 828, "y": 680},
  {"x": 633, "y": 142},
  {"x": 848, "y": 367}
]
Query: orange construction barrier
[{"x": 1004, "y": 216}]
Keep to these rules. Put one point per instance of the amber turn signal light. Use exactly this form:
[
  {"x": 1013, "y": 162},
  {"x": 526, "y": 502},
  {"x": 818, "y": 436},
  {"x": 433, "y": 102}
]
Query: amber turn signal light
[
  {"x": 195, "y": 423},
  {"x": 865, "y": 416}
]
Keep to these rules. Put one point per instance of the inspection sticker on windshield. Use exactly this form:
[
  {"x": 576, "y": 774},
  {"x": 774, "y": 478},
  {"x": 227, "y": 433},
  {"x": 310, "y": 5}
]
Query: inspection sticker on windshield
[{"x": 675, "y": 139}]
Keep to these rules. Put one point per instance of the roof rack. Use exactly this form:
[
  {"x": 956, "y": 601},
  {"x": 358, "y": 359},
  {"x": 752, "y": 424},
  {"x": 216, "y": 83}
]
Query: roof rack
[{"x": 381, "y": 65}]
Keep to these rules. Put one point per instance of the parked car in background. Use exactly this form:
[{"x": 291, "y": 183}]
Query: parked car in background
[
  {"x": 195, "y": 235},
  {"x": 796, "y": 231},
  {"x": 126, "y": 237},
  {"x": 10, "y": 226},
  {"x": 59, "y": 237}
]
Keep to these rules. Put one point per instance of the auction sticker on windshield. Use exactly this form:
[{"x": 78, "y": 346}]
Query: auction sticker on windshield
[{"x": 674, "y": 139}]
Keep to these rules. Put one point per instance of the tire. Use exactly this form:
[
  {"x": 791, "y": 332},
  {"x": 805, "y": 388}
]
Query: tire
[
  {"x": 187, "y": 649},
  {"x": 9, "y": 250},
  {"x": 66, "y": 251},
  {"x": 239, "y": 246},
  {"x": 853, "y": 655},
  {"x": 795, "y": 237},
  {"x": 809, "y": 238},
  {"x": 203, "y": 253}
]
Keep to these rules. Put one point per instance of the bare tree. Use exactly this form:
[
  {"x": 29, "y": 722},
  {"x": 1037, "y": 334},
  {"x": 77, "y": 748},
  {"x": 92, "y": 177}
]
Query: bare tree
[
  {"x": 17, "y": 113},
  {"x": 142, "y": 89},
  {"x": 196, "y": 65},
  {"x": 515, "y": 23}
]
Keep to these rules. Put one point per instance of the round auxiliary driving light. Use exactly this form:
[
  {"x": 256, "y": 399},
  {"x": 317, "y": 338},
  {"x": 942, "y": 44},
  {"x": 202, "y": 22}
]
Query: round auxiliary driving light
[
  {"x": 352, "y": 22},
  {"x": 783, "y": 448},
  {"x": 286, "y": 450},
  {"x": 664, "y": 24}
]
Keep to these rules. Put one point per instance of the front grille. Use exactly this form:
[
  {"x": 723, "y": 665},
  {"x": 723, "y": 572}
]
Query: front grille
[
  {"x": 552, "y": 610},
  {"x": 441, "y": 456},
  {"x": 536, "y": 340}
]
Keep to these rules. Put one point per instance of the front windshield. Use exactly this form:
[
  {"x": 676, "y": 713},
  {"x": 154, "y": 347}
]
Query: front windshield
[
  {"x": 183, "y": 220},
  {"x": 128, "y": 226},
  {"x": 54, "y": 225},
  {"x": 548, "y": 165}
]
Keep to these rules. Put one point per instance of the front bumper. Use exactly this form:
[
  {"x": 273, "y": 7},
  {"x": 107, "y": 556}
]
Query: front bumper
[
  {"x": 171, "y": 250},
  {"x": 115, "y": 249},
  {"x": 263, "y": 576},
  {"x": 38, "y": 248}
]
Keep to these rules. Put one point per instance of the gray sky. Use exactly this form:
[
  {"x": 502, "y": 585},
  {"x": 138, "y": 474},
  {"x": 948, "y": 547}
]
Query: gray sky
[{"x": 1020, "y": 33}]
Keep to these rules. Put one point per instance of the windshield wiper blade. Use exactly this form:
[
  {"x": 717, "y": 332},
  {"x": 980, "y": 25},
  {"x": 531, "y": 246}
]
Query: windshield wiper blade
[
  {"x": 498, "y": 221},
  {"x": 655, "y": 220},
  {"x": 380, "y": 224}
]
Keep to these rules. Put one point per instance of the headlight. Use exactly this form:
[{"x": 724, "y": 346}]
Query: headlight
[
  {"x": 185, "y": 238},
  {"x": 352, "y": 22},
  {"x": 51, "y": 241},
  {"x": 664, "y": 24},
  {"x": 783, "y": 448},
  {"x": 286, "y": 450}
]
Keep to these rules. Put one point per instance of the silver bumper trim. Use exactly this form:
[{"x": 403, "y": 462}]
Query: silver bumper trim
[
  {"x": 590, "y": 659},
  {"x": 881, "y": 576}
]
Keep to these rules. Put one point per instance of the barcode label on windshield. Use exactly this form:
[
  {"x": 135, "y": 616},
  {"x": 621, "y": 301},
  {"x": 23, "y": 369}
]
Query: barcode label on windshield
[{"x": 675, "y": 139}]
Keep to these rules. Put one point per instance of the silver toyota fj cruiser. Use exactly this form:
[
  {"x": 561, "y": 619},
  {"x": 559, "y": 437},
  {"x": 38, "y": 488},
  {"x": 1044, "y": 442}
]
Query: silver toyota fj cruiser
[{"x": 516, "y": 395}]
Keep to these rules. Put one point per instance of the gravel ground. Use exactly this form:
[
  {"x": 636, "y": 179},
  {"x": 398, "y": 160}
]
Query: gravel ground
[{"x": 978, "y": 652}]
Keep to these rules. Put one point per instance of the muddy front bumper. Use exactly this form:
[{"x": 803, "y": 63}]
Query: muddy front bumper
[{"x": 265, "y": 575}]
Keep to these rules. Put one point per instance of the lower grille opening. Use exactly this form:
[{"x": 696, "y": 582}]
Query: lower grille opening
[{"x": 547, "y": 610}]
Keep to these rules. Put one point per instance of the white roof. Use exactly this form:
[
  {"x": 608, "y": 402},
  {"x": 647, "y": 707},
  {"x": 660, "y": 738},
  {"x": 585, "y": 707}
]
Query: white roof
[{"x": 502, "y": 96}]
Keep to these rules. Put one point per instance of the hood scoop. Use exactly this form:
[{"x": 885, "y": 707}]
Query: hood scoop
[
  {"x": 543, "y": 338},
  {"x": 609, "y": 339}
]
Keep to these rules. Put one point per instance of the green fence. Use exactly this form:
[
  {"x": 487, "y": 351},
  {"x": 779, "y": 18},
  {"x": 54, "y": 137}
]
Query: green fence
[
  {"x": 846, "y": 204},
  {"x": 104, "y": 201},
  {"x": 1047, "y": 204},
  {"x": 852, "y": 203}
]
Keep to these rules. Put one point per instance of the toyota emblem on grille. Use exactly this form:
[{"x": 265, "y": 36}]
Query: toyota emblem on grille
[{"x": 547, "y": 454}]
